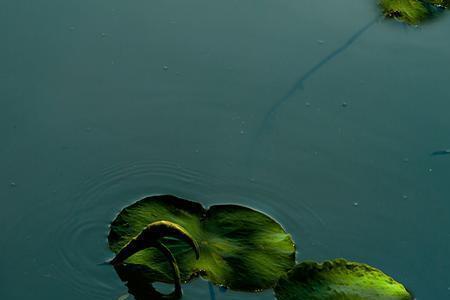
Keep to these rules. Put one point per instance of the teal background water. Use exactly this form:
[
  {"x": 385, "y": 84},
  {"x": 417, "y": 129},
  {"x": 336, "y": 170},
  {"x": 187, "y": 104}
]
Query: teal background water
[{"x": 104, "y": 102}]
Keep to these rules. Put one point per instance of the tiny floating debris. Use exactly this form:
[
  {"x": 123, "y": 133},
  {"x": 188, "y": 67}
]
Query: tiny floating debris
[{"x": 441, "y": 152}]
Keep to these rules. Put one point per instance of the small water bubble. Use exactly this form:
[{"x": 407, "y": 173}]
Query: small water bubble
[
  {"x": 320, "y": 42},
  {"x": 242, "y": 132},
  {"x": 307, "y": 104},
  {"x": 165, "y": 67},
  {"x": 355, "y": 204},
  {"x": 344, "y": 104},
  {"x": 103, "y": 35},
  {"x": 405, "y": 197},
  {"x": 430, "y": 170},
  {"x": 12, "y": 184}
]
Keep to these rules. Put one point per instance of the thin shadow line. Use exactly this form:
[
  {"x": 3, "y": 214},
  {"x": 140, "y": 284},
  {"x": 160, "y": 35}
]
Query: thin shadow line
[
  {"x": 212, "y": 294},
  {"x": 299, "y": 83}
]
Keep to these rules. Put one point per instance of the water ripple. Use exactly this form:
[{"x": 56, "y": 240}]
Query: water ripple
[{"x": 81, "y": 238}]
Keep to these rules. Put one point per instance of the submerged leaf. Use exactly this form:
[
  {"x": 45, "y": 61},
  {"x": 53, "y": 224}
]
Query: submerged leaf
[
  {"x": 239, "y": 247},
  {"x": 339, "y": 280}
]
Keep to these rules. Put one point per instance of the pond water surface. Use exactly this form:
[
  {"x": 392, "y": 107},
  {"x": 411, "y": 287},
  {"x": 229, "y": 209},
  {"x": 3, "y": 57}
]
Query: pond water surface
[{"x": 105, "y": 102}]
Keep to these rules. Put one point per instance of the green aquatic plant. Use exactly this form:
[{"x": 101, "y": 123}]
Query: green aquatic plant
[
  {"x": 339, "y": 280},
  {"x": 412, "y": 11},
  {"x": 151, "y": 237},
  {"x": 172, "y": 240},
  {"x": 442, "y": 3},
  {"x": 237, "y": 247}
]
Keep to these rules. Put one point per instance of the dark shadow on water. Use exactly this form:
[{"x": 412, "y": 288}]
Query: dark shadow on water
[
  {"x": 137, "y": 279},
  {"x": 298, "y": 85},
  {"x": 139, "y": 284},
  {"x": 212, "y": 294}
]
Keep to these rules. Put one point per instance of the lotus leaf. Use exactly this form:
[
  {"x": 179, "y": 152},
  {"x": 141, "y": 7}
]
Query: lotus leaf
[
  {"x": 339, "y": 280},
  {"x": 151, "y": 237},
  {"x": 239, "y": 248}
]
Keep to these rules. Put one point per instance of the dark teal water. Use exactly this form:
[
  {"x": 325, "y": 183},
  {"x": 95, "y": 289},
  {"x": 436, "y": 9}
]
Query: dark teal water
[{"x": 104, "y": 102}]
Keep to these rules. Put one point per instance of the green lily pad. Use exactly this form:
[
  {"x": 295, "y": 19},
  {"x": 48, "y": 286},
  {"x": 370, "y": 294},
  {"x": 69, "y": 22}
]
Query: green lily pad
[
  {"x": 339, "y": 280},
  {"x": 239, "y": 248},
  {"x": 441, "y": 3},
  {"x": 412, "y": 11},
  {"x": 151, "y": 237}
]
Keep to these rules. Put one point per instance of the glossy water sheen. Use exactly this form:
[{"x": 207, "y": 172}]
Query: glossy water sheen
[{"x": 91, "y": 121}]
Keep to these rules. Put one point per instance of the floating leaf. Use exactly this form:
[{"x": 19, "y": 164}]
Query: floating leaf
[
  {"x": 412, "y": 11},
  {"x": 239, "y": 247},
  {"x": 151, "y": 237},
  {"x": 409, "y": 11},
  {"x": 339, "y": 280},
  {"x": 441, "y": 3}
]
